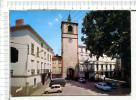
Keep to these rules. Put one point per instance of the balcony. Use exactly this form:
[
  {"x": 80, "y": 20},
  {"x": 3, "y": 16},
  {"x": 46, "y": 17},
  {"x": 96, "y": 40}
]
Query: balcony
[{"x": 46, "y": 70}]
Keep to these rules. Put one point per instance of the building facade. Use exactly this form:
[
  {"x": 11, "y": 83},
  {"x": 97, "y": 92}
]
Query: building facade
[
  {"x": 89, "y": 66},
  {"x": 69, "y": 39},
  {"x": 56, "y": 66},
  {"x": 34, "y": 65}
]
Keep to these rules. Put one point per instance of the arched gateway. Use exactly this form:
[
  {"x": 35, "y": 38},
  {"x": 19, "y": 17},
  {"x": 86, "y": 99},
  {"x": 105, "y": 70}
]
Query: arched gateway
[{"x": 70, "y": 73}]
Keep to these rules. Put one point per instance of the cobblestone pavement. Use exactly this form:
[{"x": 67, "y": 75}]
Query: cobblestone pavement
[{"x": 88, "y": 89}]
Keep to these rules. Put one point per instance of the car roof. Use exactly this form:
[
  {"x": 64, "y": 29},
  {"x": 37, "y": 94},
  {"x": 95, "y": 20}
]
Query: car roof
[
  {"x": 58, "y": 79},
  {"x": 56, "y": 85}
]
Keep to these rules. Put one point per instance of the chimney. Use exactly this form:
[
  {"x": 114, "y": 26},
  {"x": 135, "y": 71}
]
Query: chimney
[{"x": 19, "y": 22}]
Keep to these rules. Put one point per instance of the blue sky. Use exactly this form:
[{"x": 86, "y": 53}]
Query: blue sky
[{"x": 47, "y": 23}]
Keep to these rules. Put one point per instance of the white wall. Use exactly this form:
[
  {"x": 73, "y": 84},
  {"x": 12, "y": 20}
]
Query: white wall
[
  {"x": 27, "y": 37},
  {"x": 18, "y": 82}
]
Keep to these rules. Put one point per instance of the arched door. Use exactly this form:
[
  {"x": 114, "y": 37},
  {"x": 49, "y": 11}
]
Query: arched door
[{"x": 70, "y": 73}]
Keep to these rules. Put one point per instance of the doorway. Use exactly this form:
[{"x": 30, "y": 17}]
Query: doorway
[{"x": 70, "y": 74}]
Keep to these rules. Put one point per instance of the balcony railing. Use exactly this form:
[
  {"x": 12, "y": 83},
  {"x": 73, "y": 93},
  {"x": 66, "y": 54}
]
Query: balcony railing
[{"x": 46, "y": 70}]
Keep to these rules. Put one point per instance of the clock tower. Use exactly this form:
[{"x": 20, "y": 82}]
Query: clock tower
[{"x": 69, "y": 46}]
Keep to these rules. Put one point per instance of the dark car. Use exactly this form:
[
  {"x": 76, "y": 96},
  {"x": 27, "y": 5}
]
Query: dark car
[
  {"x": 112, "y": 84},
  {"x": 60, "y": 81}
]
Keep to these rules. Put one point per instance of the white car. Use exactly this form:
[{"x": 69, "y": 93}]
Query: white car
[
  {"x": 103, "y": 86},
  {"x": 54, "y": 88}
]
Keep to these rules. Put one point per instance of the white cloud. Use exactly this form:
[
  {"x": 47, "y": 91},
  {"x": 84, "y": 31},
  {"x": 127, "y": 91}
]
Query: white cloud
[
  {"x": 56, "y": 19},
  {"x": 49, "y": 23},
  {"x": 60, "y": 16}
]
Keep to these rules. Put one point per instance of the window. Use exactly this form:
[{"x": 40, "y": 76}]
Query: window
[
  {"x": 57, "y": 86},
  {"x": 59, "y": 62},
  {"x": 41, "y": 67},
  {"x": 110, "y": 67},
  {"x": 97, "y": 67},
  {"x": 106, "y": 67},
  {"x": 32, "y": 71},
  {"x": 14, "y": 55},
  {"x": 45, "y": 55},
  {"x": 11, "y": 72},
  {"x": 44, "y": 65},
  {"x": 69, "y": 28},
  {"x": 37, "y": 51},
  {"x": 27, "y": 49},
  {"x": 102, "y": 67},
  {"x": 52, "y": 87},
  {"x": 42, "y": 45},
  {"x": 59, "y": 69},
  {"x": 38, "y": 71},
  {"x": 32, "y": 48},
  {"x": 48, "y": 49},
  {"x": 86, "y": 50},
  {"x": 48, "y": 57},
  {"x": 34, "y": 82},
  {"x": 54, "y": 70},
  {"x": 81, "y": 49}
]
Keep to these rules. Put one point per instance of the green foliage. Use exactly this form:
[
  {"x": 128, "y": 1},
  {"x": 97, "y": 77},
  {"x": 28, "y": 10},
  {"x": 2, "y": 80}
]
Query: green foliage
[{"x": 108, "y": 32}]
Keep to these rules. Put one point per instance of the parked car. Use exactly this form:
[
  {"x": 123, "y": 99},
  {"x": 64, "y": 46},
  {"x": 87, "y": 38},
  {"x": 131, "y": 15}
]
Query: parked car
[
  {"x": 103, "y": 86},
  {"x": 112, "y": 84},
  {"x": 60, "y": 81},
  {"x": 82, "y": 80},
  {"x": 54, "y": 88}
]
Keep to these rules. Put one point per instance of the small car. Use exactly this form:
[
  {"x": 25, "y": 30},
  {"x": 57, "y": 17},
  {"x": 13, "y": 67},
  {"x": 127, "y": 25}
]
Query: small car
[
  {"x": 53, "y": 88},
  {"x": 82, "y": 80},
  {"x": 112, "y": 84},
  {"x": 103, "y": 86}
]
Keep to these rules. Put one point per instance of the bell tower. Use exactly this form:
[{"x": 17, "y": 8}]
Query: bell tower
[{"x": 69, "y": 46}]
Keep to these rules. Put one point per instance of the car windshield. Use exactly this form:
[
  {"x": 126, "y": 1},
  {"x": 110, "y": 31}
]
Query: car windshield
[{"x": 104, "y": 85}]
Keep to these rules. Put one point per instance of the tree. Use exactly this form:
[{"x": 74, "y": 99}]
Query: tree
[{"x": 108, "y": 32}]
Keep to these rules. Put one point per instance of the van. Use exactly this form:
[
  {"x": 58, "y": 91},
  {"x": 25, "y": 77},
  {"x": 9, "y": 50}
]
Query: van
[{"x": 60, "y": 81}]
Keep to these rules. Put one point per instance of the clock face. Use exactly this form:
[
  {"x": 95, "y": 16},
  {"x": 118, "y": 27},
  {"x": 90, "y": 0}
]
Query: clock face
[{"x": 70, "y": 40}]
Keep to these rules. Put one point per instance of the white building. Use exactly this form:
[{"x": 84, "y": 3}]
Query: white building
[
  {"x": 89, "y": 66},
  {"x": 34, "y": 63}
]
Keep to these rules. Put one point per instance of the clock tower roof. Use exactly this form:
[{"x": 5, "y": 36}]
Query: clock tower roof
[{"x": 69, "y": 18}]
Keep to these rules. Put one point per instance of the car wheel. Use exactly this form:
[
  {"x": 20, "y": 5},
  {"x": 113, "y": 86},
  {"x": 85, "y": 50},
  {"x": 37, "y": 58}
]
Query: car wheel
[
  {"x": 59, "y": 91},
  {"x": 46, "y": 92}
]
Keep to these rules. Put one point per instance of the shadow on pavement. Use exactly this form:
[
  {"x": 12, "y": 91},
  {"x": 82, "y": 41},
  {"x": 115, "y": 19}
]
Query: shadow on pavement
[{"x": 91, "y": 86}]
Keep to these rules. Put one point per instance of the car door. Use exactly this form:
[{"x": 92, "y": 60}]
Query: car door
[
  {"x": 56, "y": 88},
  {"x": 99, "y": 86},
  {"x": 52, "y": 89}
]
